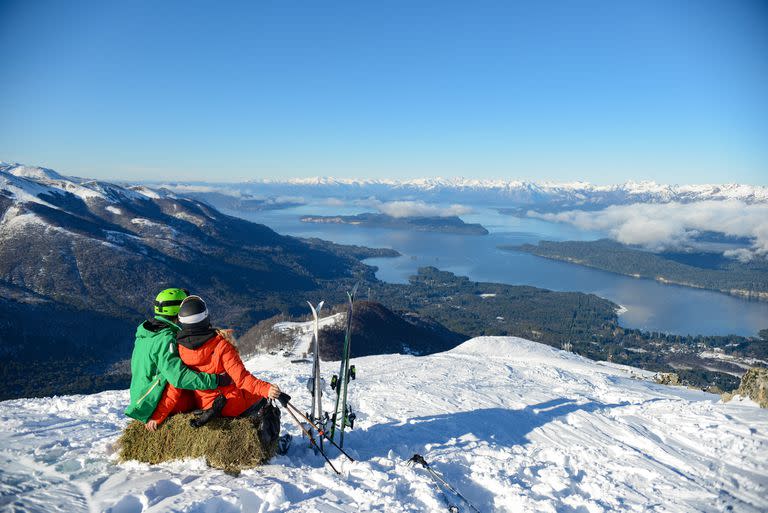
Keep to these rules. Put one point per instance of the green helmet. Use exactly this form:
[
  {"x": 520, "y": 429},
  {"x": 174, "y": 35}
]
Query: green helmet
[{"x": 168, "y": 301}]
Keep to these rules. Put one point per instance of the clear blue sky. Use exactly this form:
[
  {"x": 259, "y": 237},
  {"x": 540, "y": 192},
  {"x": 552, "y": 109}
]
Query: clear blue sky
[{"x": 605, "y": 91}]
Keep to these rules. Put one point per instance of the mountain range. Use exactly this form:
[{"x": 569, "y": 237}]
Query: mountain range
[{"x": 502, "y": 192}]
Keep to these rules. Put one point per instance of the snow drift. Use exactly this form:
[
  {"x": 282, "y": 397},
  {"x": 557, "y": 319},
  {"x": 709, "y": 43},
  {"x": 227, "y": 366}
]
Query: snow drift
[{"x": 514, "y": 425}]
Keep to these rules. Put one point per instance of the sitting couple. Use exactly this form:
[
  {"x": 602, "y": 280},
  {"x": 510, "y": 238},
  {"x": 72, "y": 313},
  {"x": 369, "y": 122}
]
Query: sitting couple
[{"x": 181, "y": 363}]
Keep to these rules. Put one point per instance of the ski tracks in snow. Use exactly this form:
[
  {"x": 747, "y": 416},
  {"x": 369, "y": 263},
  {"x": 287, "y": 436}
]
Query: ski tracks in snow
[{"x": 513, "y": 425}]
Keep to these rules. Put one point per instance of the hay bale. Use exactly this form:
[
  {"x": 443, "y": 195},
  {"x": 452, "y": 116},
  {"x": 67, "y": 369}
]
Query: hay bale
[{"x": 230, "y": 444}]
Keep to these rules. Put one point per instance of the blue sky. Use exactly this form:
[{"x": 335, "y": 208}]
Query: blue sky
[{"x": 604, "y": 91}]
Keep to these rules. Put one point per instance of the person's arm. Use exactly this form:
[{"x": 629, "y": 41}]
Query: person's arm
[
  {"x": 179, "y": 375},
  {"x": 240, "y": 375}
]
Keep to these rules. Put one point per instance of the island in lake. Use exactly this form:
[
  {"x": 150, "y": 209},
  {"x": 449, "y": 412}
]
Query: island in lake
[
  {"x": 450, "y": 224},
  {"x": 703, "y": 270}
]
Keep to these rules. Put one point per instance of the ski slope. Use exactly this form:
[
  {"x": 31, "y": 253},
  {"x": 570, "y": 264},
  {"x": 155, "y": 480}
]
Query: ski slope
[
  {"x": 302, "y": 333},
  {"x": 514, "y": 425}
]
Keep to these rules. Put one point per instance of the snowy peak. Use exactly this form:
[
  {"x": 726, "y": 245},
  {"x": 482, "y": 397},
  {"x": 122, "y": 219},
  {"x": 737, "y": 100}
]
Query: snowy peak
[
  {"x": 517, "y": 190},
  {"x": 35, "y": 173},
  {"x": 32, "y": 178},
  {"x": 514, "y": 195}
]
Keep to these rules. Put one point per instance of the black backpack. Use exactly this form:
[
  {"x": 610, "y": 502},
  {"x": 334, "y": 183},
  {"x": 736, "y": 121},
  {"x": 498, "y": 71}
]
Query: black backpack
[{"x": 267, "y": 423}]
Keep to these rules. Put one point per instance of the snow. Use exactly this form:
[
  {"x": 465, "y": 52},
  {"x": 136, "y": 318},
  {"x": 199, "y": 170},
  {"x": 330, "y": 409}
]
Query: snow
[
  {"x": 650, "y": 190},
  {"x": 146, "y": 191},
  {"x": 26, "y": 183},
  {"x": 114, "y": 210},
  {"x": 25, "y": 191},
  {"x": 36, "y": 173},
  {"x": 514, "y": 425},
  {"x": 302, "y": 332},
  {"x": 744, "y": 363},
  {"x": 140, "y": 221},
  {"x": 14, "y": 224}
]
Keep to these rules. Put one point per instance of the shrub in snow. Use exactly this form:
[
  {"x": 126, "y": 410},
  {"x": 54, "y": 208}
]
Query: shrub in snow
[
  {"x": 230, "y": 444},
  {"x": 754, "y": 384},
  {"x": 667, "y": 378}
]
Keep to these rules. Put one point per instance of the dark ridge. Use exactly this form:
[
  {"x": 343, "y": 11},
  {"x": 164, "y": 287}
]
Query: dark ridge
[{"x": 378, "y": 330}]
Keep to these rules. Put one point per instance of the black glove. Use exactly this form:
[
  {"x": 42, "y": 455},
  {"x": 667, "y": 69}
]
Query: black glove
[
  {"x": 206, "y": 415},
  {"x": 223, "y": 379},
  {"x": 283, "y": 399}
]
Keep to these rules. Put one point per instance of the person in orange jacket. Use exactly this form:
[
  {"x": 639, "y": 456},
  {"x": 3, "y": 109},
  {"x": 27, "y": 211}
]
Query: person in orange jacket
[{"x": 203, "y": 348}]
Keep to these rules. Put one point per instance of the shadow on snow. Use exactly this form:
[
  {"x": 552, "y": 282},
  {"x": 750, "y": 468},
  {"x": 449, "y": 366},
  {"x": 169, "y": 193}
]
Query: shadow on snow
[{"x": 463, "y": 430}]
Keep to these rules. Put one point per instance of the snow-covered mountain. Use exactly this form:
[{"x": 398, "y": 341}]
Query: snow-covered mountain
[
  {"x": 514, "y": 425},
  {"x": 664, "y": 192},
  {"x": 531, "y": 191},
  {"x": 512, "y": 194},
  {"x": 80, "y": 241},
  {"x": 81, "y": 259}
]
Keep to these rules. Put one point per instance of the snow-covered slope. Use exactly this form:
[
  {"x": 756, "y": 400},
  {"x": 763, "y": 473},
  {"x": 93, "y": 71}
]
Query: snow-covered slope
[
  {"x": 302, "y": 333},
  {"x": 514, "y": 425}
]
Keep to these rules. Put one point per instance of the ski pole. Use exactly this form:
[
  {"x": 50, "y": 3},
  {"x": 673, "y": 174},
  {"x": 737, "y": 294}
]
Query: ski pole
[
  {"x": 418, "y": 458},
  {"x": 285, "y": 399},
  {"x": 311, "y": 439},
  {"x": 322, "y": 432}
]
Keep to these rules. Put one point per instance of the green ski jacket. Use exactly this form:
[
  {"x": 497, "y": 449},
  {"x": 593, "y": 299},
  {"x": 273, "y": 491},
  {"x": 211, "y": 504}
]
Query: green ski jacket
[{"x": 155, "y": 361}]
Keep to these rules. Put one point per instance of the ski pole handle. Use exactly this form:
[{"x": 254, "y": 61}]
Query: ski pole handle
[{"x": 284, "y": 398}]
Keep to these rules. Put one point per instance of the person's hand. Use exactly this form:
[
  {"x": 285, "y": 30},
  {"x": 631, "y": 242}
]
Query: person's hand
[
  {"x": 274, "y": 392},
  {"x": 151, "y": 425},
  {"x": 223, "y": 379}
]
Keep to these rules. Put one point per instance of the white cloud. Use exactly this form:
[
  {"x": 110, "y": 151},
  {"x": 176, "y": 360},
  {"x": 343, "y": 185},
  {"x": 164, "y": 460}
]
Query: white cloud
[
  {"x": 415, "y": 208},
  {"x": 182, "y": 188},
  {"x": 673, "y": 225},
  {"x": 286, "y": 199}
]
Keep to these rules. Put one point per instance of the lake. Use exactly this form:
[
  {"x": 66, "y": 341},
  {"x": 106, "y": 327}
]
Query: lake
[{"x": 649, "y": 305}]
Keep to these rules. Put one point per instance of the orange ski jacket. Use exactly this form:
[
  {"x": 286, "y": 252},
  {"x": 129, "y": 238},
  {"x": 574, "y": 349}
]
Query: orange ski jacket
[{"x": 218, "y": 355}]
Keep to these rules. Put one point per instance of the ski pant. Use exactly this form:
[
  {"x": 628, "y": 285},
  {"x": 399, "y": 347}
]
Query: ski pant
[
  {"x": 173, "y": 400},
  {"x": 238, "y": 399}
]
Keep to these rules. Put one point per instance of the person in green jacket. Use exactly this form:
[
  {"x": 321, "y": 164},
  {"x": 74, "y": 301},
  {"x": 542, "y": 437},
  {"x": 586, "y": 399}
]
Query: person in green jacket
[{"x": 157, "y": 372}]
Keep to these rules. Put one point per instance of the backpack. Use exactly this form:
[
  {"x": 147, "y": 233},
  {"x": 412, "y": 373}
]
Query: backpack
[{"x": 267, "y": 423}]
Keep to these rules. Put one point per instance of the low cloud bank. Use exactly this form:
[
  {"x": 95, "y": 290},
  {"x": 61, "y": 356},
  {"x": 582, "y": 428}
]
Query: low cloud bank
[
  {"x": 280, "y": 200},
  {"x": 200, "y": 188},
  {"x": 674, "y": 225},
  {"x": 415, "y": 208}
]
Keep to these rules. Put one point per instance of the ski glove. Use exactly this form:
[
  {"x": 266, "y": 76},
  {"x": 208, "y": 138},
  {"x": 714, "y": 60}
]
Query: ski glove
[
  {"x": 204, "y": 416},
  {"x": 223, "y": 379}
]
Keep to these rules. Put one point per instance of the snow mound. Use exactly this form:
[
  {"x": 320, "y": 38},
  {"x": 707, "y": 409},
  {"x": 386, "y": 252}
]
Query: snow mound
[
  {"x": 514, "y": 425},
  {"x": 511, "y": 348}
]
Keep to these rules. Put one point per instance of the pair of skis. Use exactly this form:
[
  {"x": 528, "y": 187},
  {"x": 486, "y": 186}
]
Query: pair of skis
[
  {"x": 342, "y": 416},
  {"x": 315, "y": 383}
]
